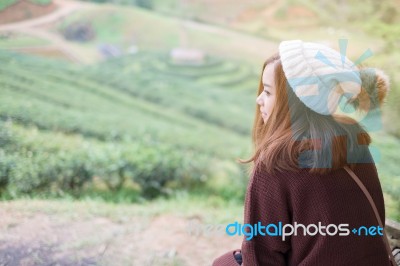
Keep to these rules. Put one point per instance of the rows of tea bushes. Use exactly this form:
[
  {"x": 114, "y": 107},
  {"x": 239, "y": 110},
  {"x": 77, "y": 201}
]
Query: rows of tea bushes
[
  {"x": 54, "y": 99},
  {"x": 67, "y": 128},
  {"x": 211, "y": 93}
]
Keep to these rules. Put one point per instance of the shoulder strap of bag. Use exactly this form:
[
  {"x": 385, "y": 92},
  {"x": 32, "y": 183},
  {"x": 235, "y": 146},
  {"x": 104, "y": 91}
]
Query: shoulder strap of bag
[{"x": 371, "y": 201}]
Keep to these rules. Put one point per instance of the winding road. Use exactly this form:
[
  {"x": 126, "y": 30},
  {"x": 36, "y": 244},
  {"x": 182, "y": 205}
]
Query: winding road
[{"x": 32, "y": 27}]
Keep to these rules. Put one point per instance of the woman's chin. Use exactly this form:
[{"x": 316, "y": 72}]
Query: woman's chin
[{"x": 264, "y": 118}]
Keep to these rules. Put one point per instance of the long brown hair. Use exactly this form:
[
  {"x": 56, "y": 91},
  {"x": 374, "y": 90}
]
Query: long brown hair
[{"x": 295, "y": 137}]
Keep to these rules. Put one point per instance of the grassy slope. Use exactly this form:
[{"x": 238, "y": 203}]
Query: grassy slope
[
  {"x": 5, "y": 3},
  {"x": 21, "y": 40},
  {"x": 71, "y": 99},
  {"x": 123, "y": 26}
]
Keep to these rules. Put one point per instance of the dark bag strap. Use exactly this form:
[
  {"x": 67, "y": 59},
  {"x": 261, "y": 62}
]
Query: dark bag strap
[{"x": 371, "y": 201}]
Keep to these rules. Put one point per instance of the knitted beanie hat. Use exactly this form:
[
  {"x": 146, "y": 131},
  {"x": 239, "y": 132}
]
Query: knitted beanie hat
[{"x": 320, "y": 76}]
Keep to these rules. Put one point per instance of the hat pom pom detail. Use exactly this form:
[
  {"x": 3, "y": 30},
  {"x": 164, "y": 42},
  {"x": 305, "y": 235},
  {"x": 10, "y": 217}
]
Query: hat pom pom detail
[{"x": 375, "y": 85}]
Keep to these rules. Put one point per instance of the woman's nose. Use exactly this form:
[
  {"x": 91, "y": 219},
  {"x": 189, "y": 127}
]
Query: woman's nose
[{"x": 258, "y": 100}]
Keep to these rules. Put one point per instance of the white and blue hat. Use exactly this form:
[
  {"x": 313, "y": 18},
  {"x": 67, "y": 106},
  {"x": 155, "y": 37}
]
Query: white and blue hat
[{"x": 319, "y": 75}]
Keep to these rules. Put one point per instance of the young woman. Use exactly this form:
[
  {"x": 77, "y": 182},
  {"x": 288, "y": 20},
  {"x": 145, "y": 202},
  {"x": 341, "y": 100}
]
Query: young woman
[{"x": 302, "y": 142}]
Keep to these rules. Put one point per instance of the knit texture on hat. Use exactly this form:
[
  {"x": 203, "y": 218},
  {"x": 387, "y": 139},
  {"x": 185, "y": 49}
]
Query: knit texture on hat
[{"x": 319, "y": 75}]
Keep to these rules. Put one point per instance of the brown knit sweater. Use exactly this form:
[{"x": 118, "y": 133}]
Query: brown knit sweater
[{"x": 308, "y": 199}]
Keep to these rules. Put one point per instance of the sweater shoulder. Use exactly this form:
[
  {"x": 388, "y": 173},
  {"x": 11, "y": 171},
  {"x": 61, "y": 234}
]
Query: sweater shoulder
[
  {"x": 288, "y": 179},
  {"x": 266, "y": 186}
]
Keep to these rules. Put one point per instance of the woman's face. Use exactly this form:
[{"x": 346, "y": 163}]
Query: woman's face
[{"x": 266, "y": 99}]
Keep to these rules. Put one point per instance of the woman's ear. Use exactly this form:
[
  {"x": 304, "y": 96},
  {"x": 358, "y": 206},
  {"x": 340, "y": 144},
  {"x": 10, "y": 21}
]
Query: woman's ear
[{"x": 375, "y": 85}]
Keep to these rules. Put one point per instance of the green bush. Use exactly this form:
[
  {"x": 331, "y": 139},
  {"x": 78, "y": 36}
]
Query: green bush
[
  {"x": 32, "y": 166},
  {"x": 27, "y": 175},
  {"x": 73, "y": 172},
  {"x": 6, "y": 3},
  {"x": 163, "y": 170},
  {"x": 6, "y": 164},
  {"x": 145, "y": 3},
  {"x": 5, "y": 135}
]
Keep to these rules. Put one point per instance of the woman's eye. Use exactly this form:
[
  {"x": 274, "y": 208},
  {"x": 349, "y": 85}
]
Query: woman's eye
[{"x": 267, "y": 92}]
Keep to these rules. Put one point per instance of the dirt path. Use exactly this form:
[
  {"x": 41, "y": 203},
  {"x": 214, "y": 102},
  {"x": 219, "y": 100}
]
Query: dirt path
[
  {"x": 47, "y": 233},
  {"x": 64, "y": 8},
  {"x": 32, "y": 27}
]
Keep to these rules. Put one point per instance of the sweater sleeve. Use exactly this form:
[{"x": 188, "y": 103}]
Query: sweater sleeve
[
  {"x": 227, "y": 259},
  {"x": 266, "y": 202}
]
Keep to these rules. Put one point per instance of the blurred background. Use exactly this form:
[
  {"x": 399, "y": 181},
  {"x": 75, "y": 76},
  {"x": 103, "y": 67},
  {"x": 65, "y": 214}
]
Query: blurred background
[{"x": 121, "y": 120}]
